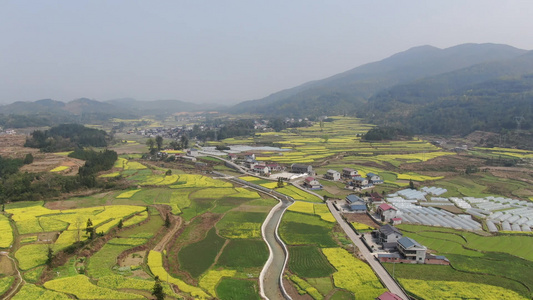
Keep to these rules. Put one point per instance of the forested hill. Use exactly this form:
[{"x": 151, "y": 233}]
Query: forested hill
[
  {"x": 485, "y": 97},
  {"x": 346, "y": 92}
]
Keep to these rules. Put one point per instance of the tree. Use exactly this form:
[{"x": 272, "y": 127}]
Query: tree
[
  {"x": 159, "y": 142},
  {"x": 157, "y": 290},
  {"x": 175, "y": 145},
  {"x": 168, "y": 172},
  {"x": 150, "y": 143},
  {"x": 120, "y": 224},
  {"x": 167, "y": 221},
  {"x": 89, "y": 228},
  {"x": 49, "y": 256},
  {"x": 411, "y": 184},
  {"x": 28, "y": 159},
  {"x": 280, "y": 182},
  {"x": 184, "y": 142}
]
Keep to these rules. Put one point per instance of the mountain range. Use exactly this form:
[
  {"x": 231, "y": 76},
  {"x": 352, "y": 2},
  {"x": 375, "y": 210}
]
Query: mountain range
[{"x": 425, "y": 89}]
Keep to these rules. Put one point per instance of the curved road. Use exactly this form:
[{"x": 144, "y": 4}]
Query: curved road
[{"x": 386, "y": 279}]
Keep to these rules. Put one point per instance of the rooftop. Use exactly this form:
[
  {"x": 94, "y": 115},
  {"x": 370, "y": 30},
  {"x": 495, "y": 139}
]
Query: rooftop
[
  {"x": 407, "y": 243},
  {"x": 385, "y": 207},
  {"x": 353, "y": 199},
  {"x": 389, "y": 229}
]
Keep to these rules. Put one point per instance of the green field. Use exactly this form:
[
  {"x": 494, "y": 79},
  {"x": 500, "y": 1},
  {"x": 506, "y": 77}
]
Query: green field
[
  {"x": 308, "y": 261},
  {"x": 243, "y": 225},
  {"x": 302, "y": 229},
  {"x": 230, "y": 288},
  {"x": 240, "y": 253},
  {"x": 196, "y": 258}
]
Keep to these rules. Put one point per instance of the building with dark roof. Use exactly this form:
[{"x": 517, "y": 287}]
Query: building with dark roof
[
  {"x": 412, "y": 250},
  {"x": 301, "y": 168},
  {"x": 388, "y": 236}
]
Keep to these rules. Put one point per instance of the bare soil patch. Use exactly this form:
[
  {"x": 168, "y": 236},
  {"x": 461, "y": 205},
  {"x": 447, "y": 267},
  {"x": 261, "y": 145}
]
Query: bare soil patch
[
  {"x": 49, "y": 161},
  {"x": 47, "y": 237},
  {"x": 6, "y": 266},
  {"x": 133, "y": 259},
  {"x": 293, "y": 292},
  {"x": 361, "y": 218}
]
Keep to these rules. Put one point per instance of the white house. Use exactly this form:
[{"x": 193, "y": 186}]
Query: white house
[
  {"x": 261, "y": 169},
  {"x": 312, "y": 183},
  {"x": 349, "y": 173},
  {"x": 332, "y": 175}
]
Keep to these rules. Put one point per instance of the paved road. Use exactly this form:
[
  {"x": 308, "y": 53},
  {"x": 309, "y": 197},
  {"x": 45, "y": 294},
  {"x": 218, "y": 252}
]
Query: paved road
[{"x": 390, "y": 284}]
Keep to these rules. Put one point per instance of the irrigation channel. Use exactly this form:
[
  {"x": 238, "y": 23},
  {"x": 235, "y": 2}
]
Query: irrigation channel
[{"x": 271, "y": 278}]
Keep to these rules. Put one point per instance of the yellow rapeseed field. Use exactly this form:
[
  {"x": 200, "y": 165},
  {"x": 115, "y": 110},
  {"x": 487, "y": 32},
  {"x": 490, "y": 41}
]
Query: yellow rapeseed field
[
  {"x": 353, "y": 274},
  {"x": 210, "y": 280}
]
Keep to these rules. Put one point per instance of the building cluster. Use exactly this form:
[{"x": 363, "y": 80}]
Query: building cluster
[
  {"x": 353, "y": 179},
  {"x": 402, "y": 249}
]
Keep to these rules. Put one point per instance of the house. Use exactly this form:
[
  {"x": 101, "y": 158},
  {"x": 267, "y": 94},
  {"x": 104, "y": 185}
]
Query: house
[
  {"x": 386, "y": 212},
  {"x": 361, "y": 182},
  {"x": 396, "y": 221},
  {"x": 388, "y": 236},
  {"x": 388, "y": 296},
  {"x": 411, "y": 250},
  {"x": 430, "y": 259},
  {"x": 374, "y": 178},
  {"x": 192, "y": 152},
  {"x": 275, "y": 167},
  {"x": 301, "y": 168},
  {"x": 249, "y": 157},
  {"x": 332, "y": 175},
  {"x": 251, "y": 164},
  {"x": 350, "y": 173},
  {"x": 353, "y": 198},
  {"x": 376, "y": 197},
  {"x": 232, "y": 156},
  {"x": 358, "y": 207},
  {"x": 189, "y": 158},
  {"x": 261, "y": 169},
  {"x": 312, "y": 184}
]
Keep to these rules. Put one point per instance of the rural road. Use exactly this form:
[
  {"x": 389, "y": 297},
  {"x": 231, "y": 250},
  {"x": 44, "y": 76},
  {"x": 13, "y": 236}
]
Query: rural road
[
  {"x": 390, "y": 284},
  {"x": 21, "y": 281}
]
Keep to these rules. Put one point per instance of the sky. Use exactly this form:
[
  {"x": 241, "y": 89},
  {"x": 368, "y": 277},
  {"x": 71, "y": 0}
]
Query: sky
[{"x": 225, "y": 51}]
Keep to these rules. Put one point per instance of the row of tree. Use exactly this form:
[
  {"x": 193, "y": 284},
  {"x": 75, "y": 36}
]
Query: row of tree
[{"x": 67, "y": 137}]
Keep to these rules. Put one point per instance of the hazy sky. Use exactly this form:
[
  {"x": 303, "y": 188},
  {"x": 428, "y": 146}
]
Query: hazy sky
[{"x": 215, "y": 51}]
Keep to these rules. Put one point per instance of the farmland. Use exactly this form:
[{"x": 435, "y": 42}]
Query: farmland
[
  {"x": 476, "y": 259},
  {"x": 215, "y": 249},
  {"x": 58, "y": 225}
]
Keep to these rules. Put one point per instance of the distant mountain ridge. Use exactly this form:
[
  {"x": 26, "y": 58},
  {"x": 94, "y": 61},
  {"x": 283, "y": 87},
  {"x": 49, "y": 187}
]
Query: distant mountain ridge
[
  {"x": 425, "y": 89},
  {"x": 344, "y": 92},
  {"x": 112, "y": 108}
]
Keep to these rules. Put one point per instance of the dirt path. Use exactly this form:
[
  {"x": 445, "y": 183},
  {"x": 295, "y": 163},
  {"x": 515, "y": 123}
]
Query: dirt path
[
  {"x": 21, "y": 280},
  {"x": 164, "y": 241}
]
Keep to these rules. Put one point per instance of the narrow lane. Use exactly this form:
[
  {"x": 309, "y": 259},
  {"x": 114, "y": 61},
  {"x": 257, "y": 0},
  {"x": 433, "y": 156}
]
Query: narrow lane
[{"x": 390, "y": 284}]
